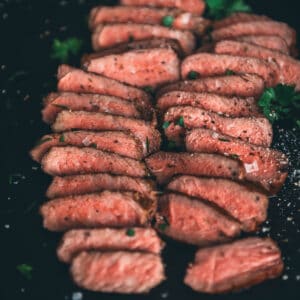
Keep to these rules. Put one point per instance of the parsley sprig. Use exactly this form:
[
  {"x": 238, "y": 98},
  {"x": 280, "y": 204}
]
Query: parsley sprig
[
  {"x": 281, "y": 103},
  {"x": 25, "y": 270},
  {"x": 218, "y": 9}
]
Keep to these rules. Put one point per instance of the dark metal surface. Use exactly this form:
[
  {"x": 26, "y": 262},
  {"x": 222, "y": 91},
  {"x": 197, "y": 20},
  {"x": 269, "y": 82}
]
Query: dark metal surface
[{"x": 27, "y": 73}]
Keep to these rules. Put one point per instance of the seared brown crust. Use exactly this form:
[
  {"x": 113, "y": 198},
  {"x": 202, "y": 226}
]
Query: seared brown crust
[
  {"x": 192, "y": 221},
  {"x": 243, "y": 203},
  {"x": 228, "y": 106},
  {"x": 72, "y": 160},
  {"x": 207, "y": 64},
  {"x": 264, "y": 166},
  {"x": 239, "y": 17},
  {"x": 256, "y": 131},
  {"x": 135, "y": 45},
  {"x": 91, "y": 183},
  {"x": 56, "y": 102},
  {"x": 194, "y": 6},
  {"x": 110, "y": 35},
  {"x": 256, "y": 28},
  {"x": 144, "y": 131},
  {"x": 146, "y": 67},
  {"x": 164, "y": 165},
  {"x": 105, "y": 209},
  {"x": 247, "y": 262},
  {"x": 289, "y": 67},
  {"x": 119, "y": 142},
  {"x": 108, "y": 239},
  {"x": 247, "y": 85},
  {"x": 117, "y": 272},
  {"x": 75, "y": 80},
  {"x": 146, "y": 15}
]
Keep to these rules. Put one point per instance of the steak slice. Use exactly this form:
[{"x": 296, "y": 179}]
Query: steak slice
[
  {"x": 110, "y": 35},
  {"x": 75, "y": 80},
  {"x": 144, "y": 131},
  {"x": 194, "y": 6},
  {"x": 256, "y": 28},
  {"x": 234, "y": 266},
  {"x": 146, "y": 67},
  {"x": 289, "y": 67},
  {"x": 265, "y": 166},
  {"x": 247, "y": 85},
  {"x": 256, "y": 131},
  {"x": 239, "y": 17},
  {"x": 189, "y": 220},
  {"x": 108, "y": 239},
  {"x": 206, "y": 64},
  {"x": 92, "y": 183},
  {"x": 228, "y": 106},
  {"x": 146, "y": 15},
  {"x": 164, "y": 165},
  {"x": 117, "y": 272},
  {"x": 272, "y": 42},
  {"x": 56, "y": 102},
  {"x": 245, "y": 204},
  {"x": 72, "y": 161},
  {"x": 119, "y": 142},
  {"x": 105, "y": 209}
]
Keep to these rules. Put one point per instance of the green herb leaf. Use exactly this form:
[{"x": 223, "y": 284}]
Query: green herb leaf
[
  {"x": 168, "y": 21},
  {"x": 180, "y": 122},
  {"x": 192, "y": 75},
  {"x": 130, "y": 232},
  {"x": 62, "y": 138},
  {"x": 166, "y": 125},
  {"x": 93, "y": 145},
  {"x": 149, "y": 89},
  {"x": 281, "y": 103},
  {"x": 171, "y": 145},
  {"x": 234, "y": 156},
  {"x": 61, "y": 50},
  {"x": 218, "y": 9},
  {"x": 164, "y": 224},
  {"x": 25, "y": 270},
  {"x": 229, "y": 72},
  {"x": 147, "y": 145},
  {"x": 42, "y": 141},
  {"x": 223, "y": 140}
]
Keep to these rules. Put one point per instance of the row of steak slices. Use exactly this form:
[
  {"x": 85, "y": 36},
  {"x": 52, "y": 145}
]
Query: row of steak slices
[{"x": 212, "y": 193}]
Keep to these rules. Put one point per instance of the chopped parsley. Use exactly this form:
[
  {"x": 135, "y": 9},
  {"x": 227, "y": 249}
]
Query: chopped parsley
[
  {"x": 223, "y": 140},
  {"x": 147, "y": 145},
  {"x": 130, "y": 232},
  {"x": 234, "y": 156},
  {"x": 149, "y": 89},
  {"x": 93, "y": 145},
  {"x": 192, "y": 75},
  {"x": 229, "y": 72},
  {"x": 62, "y": 138},
  {"x": 168, "y": 21},
  {"x": 166, "y": 125},
  {"x": 25, "y": 270},
  {"x": 62, "y": 50},
  {"x": 163, "y": 225},
  {"x": 281, "y": 103},
  {"x": 180, "y": 122},
  {"x": 218, "y": 9}
]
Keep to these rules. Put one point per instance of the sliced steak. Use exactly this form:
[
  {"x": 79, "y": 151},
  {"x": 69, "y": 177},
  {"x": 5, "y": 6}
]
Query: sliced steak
[
  {"x": 268, "y": 41},
  {"x": 147, "y": 67},
  {"x": 109, "y": 35},
  {"x": 264, "y": 166},
  {"x": 142, "y": 130},
  {"x": 56, "y": 102},
  {"x": 234, "y": 266},
  {"x": 192, "y": 221},
  {"x": 72, "y": 160},
  {"x": 289, "y": 67},
  {"x": 245, "y": 204},
  {"x": 105, "y": 209},
  {"x": 256, "y": 28},
  {"x": 228, "y": 106},
  {"x": 119, "y": 142},
  {"x": 146, "y": 15},
  {"x": 75, "y": 80},
  {"x": 91, "y": 183},
  {"x": 256, "y": 131},
  {"x": 206, "y": 64},
  {"x": 117, "y": 272},
  {"x": 164, "y": 165},
  {"x": 239, "y": 17},
  {"x": 108, "y": 239},
  {"x": 193, "y": 6},
  {"x": 247, "y": 85}
]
